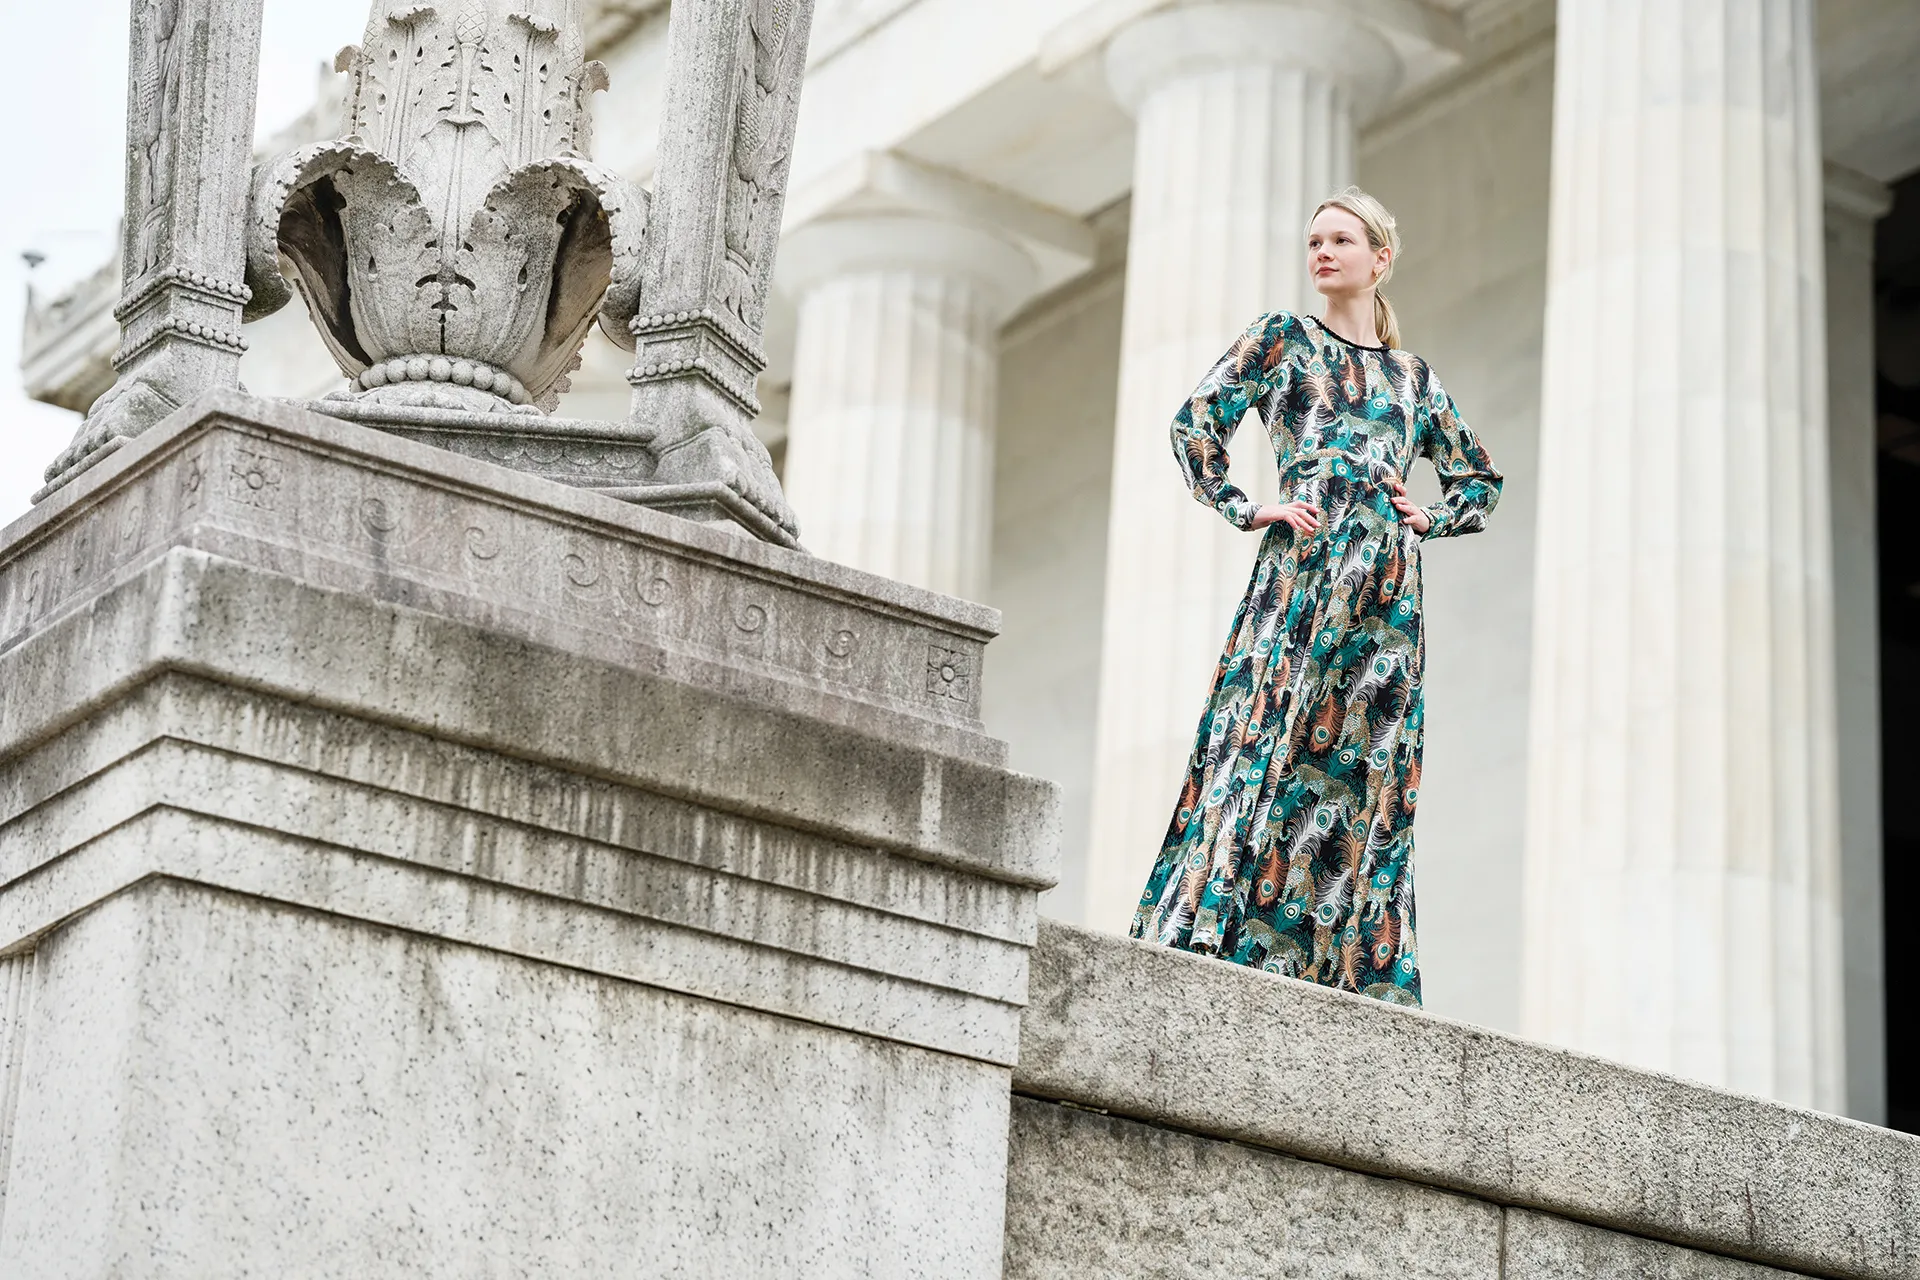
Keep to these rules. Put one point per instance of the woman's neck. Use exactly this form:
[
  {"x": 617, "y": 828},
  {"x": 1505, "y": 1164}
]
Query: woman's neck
[{"x": 1352, "y": 318}]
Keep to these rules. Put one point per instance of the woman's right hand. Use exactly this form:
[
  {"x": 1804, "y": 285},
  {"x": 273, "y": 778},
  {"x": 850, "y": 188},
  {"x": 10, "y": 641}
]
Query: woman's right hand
[{"x": 1299, "y": 515}]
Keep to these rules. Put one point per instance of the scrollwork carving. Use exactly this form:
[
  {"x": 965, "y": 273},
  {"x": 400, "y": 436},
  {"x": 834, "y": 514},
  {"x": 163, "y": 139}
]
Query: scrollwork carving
[
  {"x": 133, "y": 521},
  {"x": 377, "y": 518},
  {"x": 582, "y": 572},
  {"x": 655, "y": 587},
  {"x": 190, "y": 98},
  {"x": 481, "y": 544},
  {"x": 193, "y": 481}
]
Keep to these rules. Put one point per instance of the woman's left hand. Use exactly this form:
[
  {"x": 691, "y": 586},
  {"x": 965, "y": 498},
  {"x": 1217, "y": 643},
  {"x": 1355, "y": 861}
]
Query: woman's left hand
[{"x": 1410, "y": 513}]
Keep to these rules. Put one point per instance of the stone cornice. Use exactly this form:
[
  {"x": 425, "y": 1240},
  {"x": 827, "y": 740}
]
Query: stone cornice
[{"x": 1850, "y": 191}]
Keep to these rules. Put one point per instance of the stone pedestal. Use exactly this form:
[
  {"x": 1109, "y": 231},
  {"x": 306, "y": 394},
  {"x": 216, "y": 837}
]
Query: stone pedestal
[
  {"x": 1246, "y": 122},
  {"x": 409, "y": 866},
  {"x": 890, "y": 436},
  {"x": 1682, "y": 900}
]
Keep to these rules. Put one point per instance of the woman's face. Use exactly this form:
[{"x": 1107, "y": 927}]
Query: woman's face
[{"x": 1339, "y": 259}]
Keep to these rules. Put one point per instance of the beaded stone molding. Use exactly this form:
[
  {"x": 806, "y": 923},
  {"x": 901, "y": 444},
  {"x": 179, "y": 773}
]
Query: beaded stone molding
[
  {"x": 436, "y": 368},
  {"x": 199, "y": 282}
]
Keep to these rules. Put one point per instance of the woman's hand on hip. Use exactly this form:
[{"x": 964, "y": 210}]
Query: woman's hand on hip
[
  {"x": 1410, "y": 513},
  {"x": 1300, "y": 516}
]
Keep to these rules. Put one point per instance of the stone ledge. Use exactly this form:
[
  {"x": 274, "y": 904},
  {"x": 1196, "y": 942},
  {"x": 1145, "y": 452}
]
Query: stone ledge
[
  {"x": 352, "y": 509},
  {"x": 312, "y": 773},
  {"x": 194, "y": 613},
  {"x": 1212, "y": 1049},
  {"x": 656, "y": 891},
  {"x": 271, "y": 869}
]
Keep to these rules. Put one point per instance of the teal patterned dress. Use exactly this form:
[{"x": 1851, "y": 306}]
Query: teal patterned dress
[{"x": 1291, "y": 847}]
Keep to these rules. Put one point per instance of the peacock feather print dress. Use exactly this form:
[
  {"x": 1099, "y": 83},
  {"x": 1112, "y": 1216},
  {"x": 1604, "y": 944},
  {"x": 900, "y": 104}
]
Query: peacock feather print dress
[{"x": 1291, "y": 847}]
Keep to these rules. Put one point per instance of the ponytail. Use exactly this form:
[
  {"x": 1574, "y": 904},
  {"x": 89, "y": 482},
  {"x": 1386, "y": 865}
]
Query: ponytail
[{"x": 1384, "y": 321}]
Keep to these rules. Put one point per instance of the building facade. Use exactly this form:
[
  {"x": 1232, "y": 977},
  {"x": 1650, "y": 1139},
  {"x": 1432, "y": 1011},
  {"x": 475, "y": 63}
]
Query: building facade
[{"x": 1655, "y": 247}]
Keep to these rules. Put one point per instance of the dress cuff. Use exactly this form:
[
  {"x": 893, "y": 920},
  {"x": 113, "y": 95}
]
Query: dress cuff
[{"x": 1436, "y": 522}]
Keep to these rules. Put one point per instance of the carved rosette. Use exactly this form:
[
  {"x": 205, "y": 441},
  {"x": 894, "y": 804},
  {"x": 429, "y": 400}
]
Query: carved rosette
[{"x": 455, "y": 247}]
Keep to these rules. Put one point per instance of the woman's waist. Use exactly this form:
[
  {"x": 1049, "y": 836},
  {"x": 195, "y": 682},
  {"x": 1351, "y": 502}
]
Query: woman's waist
[{"x": 1331, "y": 476}]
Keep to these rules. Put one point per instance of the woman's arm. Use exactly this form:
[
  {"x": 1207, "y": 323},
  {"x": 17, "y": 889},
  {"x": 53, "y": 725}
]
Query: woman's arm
[
  {"x": 1207, "y": 421},
  {"x": 1469, "y": 482}
]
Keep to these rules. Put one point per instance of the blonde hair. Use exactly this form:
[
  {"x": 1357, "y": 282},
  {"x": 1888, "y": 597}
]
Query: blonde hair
[{"x": 1382, "y": 233}]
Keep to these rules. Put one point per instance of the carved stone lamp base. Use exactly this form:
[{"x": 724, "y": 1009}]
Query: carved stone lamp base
[{"x": 623, "y": 460}]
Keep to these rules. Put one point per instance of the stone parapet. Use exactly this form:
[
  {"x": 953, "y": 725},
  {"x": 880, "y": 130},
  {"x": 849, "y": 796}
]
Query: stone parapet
[{"x": 1251, "y": 1112}]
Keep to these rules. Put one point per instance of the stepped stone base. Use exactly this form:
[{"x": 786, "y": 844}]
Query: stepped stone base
[{"x": 412, "y": 868}]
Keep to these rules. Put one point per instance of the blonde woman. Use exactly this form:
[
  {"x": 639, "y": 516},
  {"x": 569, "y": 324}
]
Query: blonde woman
[{"x": 1291, "y": 847}]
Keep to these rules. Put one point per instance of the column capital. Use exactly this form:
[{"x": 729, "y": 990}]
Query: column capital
[
  {"x": 1174, "y": 44},
  {"x": 930, "y": 219},
  {"x": 924, "y": 243}
]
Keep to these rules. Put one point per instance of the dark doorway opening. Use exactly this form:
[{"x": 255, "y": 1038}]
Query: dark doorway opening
[{"x": 1897, "y": 395}]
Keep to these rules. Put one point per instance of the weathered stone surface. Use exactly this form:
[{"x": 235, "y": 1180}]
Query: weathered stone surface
[
  {"x": 390, "y": 827},
  {"x": 1096, "y": 1195},
  {"x": 726, "y": 145},
  {"x": 1542, "y": 1247},
  {"x": 218, "y": 1086},
  {"x": 1252, "y": 1058},
  {"x": 353, "y": 510},
  {"x": 190, "y": 96},
  {"x": 402, "y": 873},
  {"x": 194, "y": 613}
]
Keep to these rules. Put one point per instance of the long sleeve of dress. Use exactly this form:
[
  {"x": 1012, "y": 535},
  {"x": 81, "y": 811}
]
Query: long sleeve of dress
[
  {"x": 1207, "y": 421},
  {"x": 1469, "y": 483}
]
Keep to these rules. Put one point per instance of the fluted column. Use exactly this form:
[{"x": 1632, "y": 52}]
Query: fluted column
[
  {"x": 1246, "y": 122},
  {"x": 890, "y": 437},
  {"x": 1682, "y": 869}
]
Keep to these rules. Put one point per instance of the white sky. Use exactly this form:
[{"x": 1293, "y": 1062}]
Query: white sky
[{"x": 64, "y": 95}]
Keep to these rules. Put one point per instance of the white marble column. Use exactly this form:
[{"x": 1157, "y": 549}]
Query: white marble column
[
  {"x": 1246, "y": 122},
  {"x": 1854, "y": 203},
  {"x": 890, "y": 438},
  {"x": 1682, "y": 878}
]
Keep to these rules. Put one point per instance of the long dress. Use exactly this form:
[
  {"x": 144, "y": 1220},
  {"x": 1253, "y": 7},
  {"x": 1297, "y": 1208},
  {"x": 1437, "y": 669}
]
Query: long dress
[{"x": 1291, "y": 847}]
